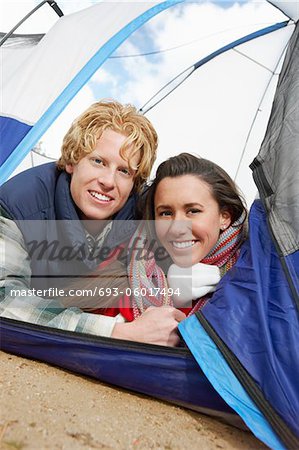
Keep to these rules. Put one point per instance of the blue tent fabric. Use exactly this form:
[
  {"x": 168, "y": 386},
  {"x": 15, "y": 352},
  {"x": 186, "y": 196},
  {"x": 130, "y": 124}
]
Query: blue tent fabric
[
  {"x": 226, "y": 382},
  {"x": 169, "y": 374},
  {"x": 254, "y": 298},
  {"x": 12, "y": 131},
  {"x": 259, "y": 288},
  {"x": 292, "y": 264}
]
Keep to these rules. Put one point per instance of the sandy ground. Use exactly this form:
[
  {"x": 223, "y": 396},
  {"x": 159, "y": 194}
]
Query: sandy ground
[{"x": 43, "y": 407}]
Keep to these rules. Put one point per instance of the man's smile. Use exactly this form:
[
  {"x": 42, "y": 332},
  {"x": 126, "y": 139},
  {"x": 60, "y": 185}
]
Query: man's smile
[{"x": 101, "y": 197}]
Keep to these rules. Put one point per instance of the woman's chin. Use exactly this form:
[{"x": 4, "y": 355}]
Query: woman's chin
[{"x": 182, "y": 261}]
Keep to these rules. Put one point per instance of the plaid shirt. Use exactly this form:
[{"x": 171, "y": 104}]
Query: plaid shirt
[
  {"x": 15, "y": 274},
  {"x": 96, "y": 242}
]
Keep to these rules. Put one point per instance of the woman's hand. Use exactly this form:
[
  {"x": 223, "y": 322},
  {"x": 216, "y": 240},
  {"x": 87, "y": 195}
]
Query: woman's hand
[
  {"x": 192, "y": 283},
  {"x": 155, "y": 326}
]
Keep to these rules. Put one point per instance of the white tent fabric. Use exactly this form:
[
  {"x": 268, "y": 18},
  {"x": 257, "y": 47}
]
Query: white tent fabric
[
  {"x": 56, "y": 69},
  {"x": 212, "y": 112},
  {"x": 289, "y": 8},
  {"x": 58, "y": 58},
  {"x": 35, "y": 81}
]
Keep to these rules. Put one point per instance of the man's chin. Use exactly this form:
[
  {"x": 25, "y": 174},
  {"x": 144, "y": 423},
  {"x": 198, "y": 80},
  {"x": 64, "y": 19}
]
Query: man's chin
[{"x": 97, "y": 215}]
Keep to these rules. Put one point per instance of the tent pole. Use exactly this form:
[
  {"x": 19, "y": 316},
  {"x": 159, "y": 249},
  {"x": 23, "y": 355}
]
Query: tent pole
[{"x": 51, "y": 3}]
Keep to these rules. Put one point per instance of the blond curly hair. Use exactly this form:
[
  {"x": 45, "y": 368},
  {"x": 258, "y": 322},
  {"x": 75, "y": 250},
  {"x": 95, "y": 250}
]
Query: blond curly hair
[{"x": 81, "y": 138}]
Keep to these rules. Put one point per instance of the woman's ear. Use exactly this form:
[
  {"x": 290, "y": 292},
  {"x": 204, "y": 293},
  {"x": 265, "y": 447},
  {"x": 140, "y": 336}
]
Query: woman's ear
[{"x": 225, "y": 220}]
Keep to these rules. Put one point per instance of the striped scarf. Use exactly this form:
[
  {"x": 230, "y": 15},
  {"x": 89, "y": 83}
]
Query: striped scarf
[
  {"x": 147, "y": 278},
  {"x": 226, "y": 251}
]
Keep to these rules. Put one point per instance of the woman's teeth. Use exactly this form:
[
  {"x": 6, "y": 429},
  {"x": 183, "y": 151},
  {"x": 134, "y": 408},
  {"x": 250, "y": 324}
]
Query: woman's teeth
[{"x": 185, "y": 244}]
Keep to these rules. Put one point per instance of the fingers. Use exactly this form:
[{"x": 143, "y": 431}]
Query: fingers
[
  {"x": 179, "y": 315},
  {"x": 154, "y": 326},
  {"x": 159, "y": 325},
  {"x": 168, "y": 311},
  {"x": 170, "y": 338},
  {"x": 174, "y": 340}
]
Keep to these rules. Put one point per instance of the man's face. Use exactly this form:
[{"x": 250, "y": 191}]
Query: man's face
[{"x": 102, "y": 180}]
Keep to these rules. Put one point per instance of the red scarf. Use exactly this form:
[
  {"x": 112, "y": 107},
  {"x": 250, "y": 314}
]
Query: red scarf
[{"x": 146, "y": 273}]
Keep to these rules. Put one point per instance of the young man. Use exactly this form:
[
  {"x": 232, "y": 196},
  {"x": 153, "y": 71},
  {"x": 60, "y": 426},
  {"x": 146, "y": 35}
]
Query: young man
[{"x": 78, "y": 204}]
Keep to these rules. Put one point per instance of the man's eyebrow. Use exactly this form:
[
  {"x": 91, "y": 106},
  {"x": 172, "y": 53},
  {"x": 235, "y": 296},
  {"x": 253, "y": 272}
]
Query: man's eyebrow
[{"x": 96, "y": 155}]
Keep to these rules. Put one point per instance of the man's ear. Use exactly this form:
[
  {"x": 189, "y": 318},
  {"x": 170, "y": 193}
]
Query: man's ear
[
  {"x": 225, "y": 220},
  {"x": 69, "y": 168}
]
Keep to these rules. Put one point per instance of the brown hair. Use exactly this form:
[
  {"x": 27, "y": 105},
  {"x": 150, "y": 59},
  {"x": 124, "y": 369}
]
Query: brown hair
[
  {"x": 223, "y": 188},
  {"x": 84, "y": 132}
]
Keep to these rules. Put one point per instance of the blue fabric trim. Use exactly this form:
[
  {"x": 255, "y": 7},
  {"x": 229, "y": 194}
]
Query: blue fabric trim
[
  {"x": 224, "y": 381},
  {"x": 243, "y": 40},
  {"x": 12, "y": 131},
  {"x": 75, "y": 85}
]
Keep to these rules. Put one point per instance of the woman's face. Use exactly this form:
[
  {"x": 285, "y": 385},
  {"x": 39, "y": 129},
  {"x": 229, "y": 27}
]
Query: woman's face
[{"x": 188, "y": 220}]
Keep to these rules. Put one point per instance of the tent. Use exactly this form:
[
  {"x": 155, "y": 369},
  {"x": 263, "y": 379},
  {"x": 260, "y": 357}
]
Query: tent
[
  {"x": 237, "y": 86},
  {"x": 264, "y": 283},
  {"x": 249, "y": 362}
]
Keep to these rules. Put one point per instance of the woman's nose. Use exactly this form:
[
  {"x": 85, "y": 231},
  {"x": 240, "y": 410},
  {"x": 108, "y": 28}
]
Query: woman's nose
[{"x": 180, "y": 228}]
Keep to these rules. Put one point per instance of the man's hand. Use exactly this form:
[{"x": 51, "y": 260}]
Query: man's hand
[{"x": 155, "y": 326}]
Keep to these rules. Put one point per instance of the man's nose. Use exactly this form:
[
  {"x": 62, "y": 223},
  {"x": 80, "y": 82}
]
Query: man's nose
[{"x": 107, "y": 178}]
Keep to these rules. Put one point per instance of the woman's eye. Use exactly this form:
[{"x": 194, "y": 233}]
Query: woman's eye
[
  {"x": 165, "y": 214},
  {"x": 193, "y": 211}
]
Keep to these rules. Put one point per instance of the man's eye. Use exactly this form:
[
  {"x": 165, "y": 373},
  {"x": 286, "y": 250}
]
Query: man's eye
[
  {"x": 97, "y": 161},
  {"x": 125, "y": 171}
]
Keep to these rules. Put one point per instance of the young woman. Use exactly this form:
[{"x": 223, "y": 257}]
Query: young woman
[
  {"x": 193, "y": 210},
  {"x": 200, "y": 220}
]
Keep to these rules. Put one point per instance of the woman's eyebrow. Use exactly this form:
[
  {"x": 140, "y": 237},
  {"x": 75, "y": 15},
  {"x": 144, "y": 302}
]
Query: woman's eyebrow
[
  {"x": 189, "y": 205},
  {"x": 162, "y": 206}
]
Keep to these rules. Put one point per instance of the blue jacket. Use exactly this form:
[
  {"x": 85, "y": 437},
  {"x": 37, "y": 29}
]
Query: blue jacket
[{"x": 39, "y": 201}]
